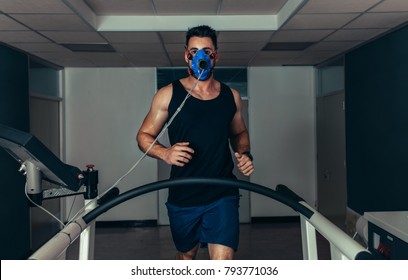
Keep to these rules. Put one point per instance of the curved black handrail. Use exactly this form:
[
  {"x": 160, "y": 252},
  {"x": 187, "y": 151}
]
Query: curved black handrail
[{"x": 288, "y": 198}]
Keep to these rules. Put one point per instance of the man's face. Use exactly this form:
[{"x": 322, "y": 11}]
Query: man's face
[{"x": 198, "y": 43}]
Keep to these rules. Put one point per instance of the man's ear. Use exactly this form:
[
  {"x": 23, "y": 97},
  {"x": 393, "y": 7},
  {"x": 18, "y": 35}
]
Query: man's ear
[
  {"x": 187, "y": 56},
  {"x": 215, "y": 56}
]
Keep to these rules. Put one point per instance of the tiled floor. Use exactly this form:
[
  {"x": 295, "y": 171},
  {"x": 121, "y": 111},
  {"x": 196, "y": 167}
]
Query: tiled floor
[{"x": 259, "y": 241}]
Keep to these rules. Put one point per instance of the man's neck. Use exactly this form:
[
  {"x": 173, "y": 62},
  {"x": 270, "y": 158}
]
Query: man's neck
[{"x": 204, "y": 89}]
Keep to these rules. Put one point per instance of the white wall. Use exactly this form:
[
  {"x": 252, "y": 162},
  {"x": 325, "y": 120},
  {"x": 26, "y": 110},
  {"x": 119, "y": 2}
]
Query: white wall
[
  {"x": 104, "y": 108},
  {"x": 282, "y": 130}
]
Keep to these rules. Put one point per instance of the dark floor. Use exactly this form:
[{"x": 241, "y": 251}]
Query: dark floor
[{"x": 259, "y": 241}]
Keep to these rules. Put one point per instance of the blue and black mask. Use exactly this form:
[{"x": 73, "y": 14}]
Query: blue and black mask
[{"x": 201, "y": 65}]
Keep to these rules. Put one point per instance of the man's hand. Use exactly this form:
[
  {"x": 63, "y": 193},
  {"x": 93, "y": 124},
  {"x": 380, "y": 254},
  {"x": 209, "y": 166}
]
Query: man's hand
[
  {"x": 245, "y": 164},
  {"x": 179, "y": 154}
]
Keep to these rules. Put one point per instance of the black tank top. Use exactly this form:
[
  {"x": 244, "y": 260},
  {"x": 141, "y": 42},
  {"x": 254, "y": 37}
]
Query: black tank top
[{"x": 205, "y": 124}]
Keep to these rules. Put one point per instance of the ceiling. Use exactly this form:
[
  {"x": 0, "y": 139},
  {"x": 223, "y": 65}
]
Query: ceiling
[{"x": 151, "y": 33}]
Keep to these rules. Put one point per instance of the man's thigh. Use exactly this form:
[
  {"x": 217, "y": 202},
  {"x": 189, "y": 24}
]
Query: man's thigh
[{"x": 220, "y": 224}]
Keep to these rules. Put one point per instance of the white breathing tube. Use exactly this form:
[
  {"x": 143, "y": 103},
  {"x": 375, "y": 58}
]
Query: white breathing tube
[{"x": 145, "y": 153}]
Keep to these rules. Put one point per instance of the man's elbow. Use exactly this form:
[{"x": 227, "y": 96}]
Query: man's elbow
[
  {"x": 139, "y": 140},
  {"x": 238, "y": 134}
]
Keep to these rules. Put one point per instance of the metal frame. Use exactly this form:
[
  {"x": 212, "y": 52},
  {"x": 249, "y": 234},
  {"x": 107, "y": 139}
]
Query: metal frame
[{"x": 342, "y": 246}]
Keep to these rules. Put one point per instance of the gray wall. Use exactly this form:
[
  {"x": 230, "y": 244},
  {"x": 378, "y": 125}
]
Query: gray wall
[
  {"x": 282, "y": 129},
  {"x": 104, "y": 108}
]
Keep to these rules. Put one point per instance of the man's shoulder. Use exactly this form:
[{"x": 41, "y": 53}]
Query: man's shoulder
[
  {"x": 167, "y": 88},
  {"x": 171, "y": 85},
  {"x": 233, "y": 91}
]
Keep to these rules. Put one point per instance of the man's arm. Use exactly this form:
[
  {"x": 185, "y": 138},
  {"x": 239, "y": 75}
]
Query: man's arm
[
  {"x": 239, "y": 139},
  {"x": 180, "y": 153}
]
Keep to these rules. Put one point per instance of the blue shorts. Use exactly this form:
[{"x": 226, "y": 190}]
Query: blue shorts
[{"x": 216, "y": 223}]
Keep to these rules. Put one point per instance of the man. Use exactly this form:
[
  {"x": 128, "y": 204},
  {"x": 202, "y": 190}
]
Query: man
[{"x": 207, "y": 118}]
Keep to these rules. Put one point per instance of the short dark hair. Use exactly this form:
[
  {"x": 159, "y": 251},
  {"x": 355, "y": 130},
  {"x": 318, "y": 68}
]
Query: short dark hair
[{"x": 202, "y": 31}]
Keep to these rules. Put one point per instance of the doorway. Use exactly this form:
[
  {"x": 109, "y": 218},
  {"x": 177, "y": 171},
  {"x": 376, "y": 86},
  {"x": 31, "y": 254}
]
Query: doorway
[
  {"x": 44, "y": 124},
  {"x": 331, "y": 158}
]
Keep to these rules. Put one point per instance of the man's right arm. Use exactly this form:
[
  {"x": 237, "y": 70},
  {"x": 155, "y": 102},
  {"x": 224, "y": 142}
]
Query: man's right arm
[{"x": 180, "y": 153}]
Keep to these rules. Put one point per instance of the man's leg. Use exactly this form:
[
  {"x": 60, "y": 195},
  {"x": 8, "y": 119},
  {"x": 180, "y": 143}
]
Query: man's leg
[
  {"x": 220, "y": 228},
  {"x": 190, "y": 255},
  {"x": 220, "y": 252},
  {"x": 185, "y": 230}
]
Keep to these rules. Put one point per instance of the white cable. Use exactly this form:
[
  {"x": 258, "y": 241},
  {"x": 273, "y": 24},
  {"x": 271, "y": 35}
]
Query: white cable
[
  {"x": 42, "y": 208},
  {"x": 146, "y": 152},
  {"x": 72, "y": 207}
]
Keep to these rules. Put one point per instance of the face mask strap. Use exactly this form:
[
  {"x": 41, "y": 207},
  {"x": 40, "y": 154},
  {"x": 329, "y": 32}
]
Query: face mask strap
[{"x": 189, "y": 55}]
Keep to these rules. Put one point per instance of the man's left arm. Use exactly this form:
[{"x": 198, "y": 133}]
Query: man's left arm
[{"x": 239, "y": 139}]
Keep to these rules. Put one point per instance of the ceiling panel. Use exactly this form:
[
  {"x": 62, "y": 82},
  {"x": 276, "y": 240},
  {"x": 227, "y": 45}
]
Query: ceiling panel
[
  {"x": 186, "y": 7},
  {"x": 74, "y": 37},
  {"x": 319, "y": 21},
  {"x": 40, "y": 47},
  {"x": 253, "y": 7},
  {"x": 52, "y": 22},
  {"x": 34, "y": 7},
  {"x": 248, "y": 36},
  {"x": 121, "y": 7},
  {"x": 300, "y": 35},
  {"x": 334, "y": 27},
  {"x": 241, "y": 46},
  {"x": 379, "y": 20},
  {"x": 21, "y": 37},
  {"x": 135, "y": 48},
  {"x": 236, "y": 62},
  {"x": 7, "y": 23},
  {"x": 337, "y": 6},
  {"x": 132, "y": 37},
  {"x": 174, "y": 48},
  {"x": 335, "y": 46},
  {"x": 236, "y": 55},
  {"x": 173, "y": 37},
  {"x": 391, "y": 6},
  {"x": 354, "y": 34},
  {"x": 68, "y": 59},
  {"x": 177, "y": 59}
]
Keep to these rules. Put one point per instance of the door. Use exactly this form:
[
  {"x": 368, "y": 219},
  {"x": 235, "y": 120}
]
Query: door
[
  {"x": 331, "y": 158},
  {"x": 44, "y": 124}
]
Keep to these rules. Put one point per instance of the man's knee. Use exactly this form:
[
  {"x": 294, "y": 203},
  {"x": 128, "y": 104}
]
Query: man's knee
[
  {"x": 190, "y": 255},
  {"x": 220, "y": 252}
]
